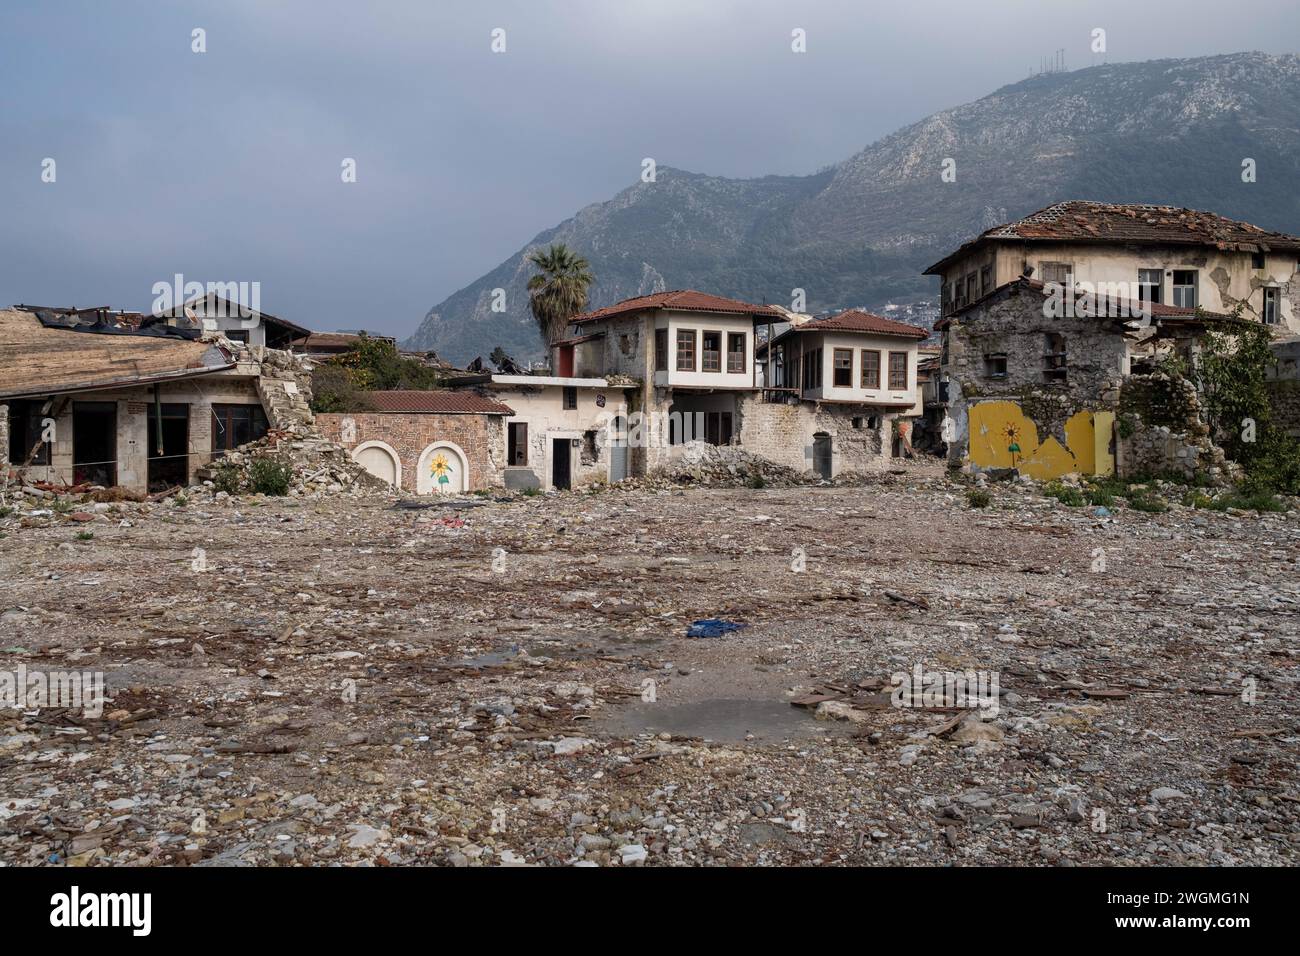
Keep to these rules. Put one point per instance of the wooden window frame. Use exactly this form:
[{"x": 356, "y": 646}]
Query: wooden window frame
[
  {"x": 1277, "y": 305},
  {"x": 222, "y": 423},
  {"x": 570, "y": 400},
  {"x": 25, "y": 423},
  {"x": 661, "y": 350},
  {"x": 870, "y": 386},
  {"x": 690, "y": 351},
  {"x": 1067, "y": 282},
  {"x": 835, "y": 369},
  {"x": 1194, "y": 285},
  {"x": 743, "y": 351},
  {"x": 704, "y": 353},
  {"x": 906, "y": 372},
  {"x": 513, "y": 430}
]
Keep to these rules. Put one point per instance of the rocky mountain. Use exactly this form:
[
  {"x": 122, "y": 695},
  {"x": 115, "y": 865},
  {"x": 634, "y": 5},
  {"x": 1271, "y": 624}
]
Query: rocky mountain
[{"x": 859, "y": 233}]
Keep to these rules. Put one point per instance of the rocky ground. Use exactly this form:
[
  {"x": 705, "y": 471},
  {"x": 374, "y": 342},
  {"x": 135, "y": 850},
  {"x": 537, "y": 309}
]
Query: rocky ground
[{"x": 347, "y": 680}]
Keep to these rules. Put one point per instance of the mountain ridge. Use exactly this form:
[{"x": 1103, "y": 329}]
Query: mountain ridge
[{"x": 859, "y": 232}]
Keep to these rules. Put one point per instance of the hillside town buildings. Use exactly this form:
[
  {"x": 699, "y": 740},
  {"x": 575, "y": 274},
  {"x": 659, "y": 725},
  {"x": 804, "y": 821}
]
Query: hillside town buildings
[{"x": 1054, "y": 330}]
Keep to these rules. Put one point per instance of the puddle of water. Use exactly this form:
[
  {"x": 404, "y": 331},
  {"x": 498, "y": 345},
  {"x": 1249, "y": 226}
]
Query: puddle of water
[
  {"x": 725, "y": 720},
  {"x": 490, "y": 659}
]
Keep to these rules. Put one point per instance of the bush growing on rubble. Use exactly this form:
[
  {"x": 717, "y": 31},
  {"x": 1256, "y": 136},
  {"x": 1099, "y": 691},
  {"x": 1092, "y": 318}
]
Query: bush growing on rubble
[
  {"x": 979, "y": 498},
  {"x": 226, "y": 477},
  {"x": 267, "y": 476},
  {"x": 1066, "y": 495},
  {"x": 369, "y": 365}
]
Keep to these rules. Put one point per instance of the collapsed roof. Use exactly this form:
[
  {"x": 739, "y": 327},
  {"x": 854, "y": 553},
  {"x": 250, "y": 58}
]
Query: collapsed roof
[
  {"x": 1086, "y": 221},
  {"x": 48, "y": 359}
]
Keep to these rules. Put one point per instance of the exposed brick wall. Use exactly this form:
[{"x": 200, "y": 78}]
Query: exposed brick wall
[{"x": 481, "y": 437}]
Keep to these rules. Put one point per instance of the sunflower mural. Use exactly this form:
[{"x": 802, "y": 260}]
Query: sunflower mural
[
  {"x": 1011, "y": 432},
  {"x": 440, "y": 471},
  {"x": 1003, "y": 436}
]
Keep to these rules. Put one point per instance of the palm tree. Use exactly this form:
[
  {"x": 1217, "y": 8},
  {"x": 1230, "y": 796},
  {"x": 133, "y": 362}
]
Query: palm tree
[{"x": 559, "y": 291}]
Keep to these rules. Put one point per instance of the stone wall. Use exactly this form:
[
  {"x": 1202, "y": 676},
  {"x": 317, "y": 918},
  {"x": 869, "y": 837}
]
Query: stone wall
[
  {"x": 784, "y": 434},
  {"x": 1016, "y": 324},
  {"x": 4, "y": 436},
  {"x": 1284, "y": 385},
  {"x": 1284, "y": 398},
  {"x": 480, "y": 437},
  {"x": 1162, "y": 431}
]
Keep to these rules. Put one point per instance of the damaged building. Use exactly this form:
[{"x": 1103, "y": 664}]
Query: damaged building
[
  {"x": 94, "y": 397},
  {"x": 822, "y": 400},
  {"x": 1054, "y": 328},
  {"x": 563, "y": 431},
  {"x": 425, "y": 442}
]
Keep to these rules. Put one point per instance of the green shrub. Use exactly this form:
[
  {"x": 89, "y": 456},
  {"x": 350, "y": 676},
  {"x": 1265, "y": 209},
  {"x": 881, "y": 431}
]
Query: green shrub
[
  {"x": 979, "y": 498},
  {"x": 267, "y": 476},
  {"x": 756, "y": 481},
  {"x": 1147, "y": 502},
  {"x": 226, "y": 477},
  {"x": 1100, "y": 497},
  {"x": 531, "y": 492},
  {"x": 1064, "y": 494},
  {"x": 1246, "y": 499},
  {"x": 85, "y": 535}
]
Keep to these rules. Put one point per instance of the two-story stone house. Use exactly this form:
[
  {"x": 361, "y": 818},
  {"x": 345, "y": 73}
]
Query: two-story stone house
[{"x": 1045, "y": 319}]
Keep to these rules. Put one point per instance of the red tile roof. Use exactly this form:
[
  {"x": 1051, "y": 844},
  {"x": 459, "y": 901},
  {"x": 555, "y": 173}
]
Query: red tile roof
[
  {"x": 685, "y": 300},
  {"x": 855, "y": 320},
  {"x": 438, "y": 402},
  {"x": 1084, "y": 221}
]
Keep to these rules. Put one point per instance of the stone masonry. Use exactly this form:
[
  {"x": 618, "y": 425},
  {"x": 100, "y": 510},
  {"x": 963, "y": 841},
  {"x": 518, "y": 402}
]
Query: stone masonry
[
  {"x": 481, "y": 437},
  {"x": 1014, "y": 324}
]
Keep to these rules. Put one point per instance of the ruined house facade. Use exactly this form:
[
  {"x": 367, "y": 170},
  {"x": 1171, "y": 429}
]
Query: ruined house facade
[
  {"x": 1053, "y": 326},
  {"x": 698, "y": 367},
  {"x": 143, "y": 409},
  {"x": 1181, "y": 258}
]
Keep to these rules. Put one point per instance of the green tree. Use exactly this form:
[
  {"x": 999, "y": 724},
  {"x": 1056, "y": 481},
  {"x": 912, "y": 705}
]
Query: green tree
[
  {"x": 370, "y": 365},
  {"x": 559, "y": 291},
  {"x": 1232, "y": 374},
  {"x": 376, "y": 365}
]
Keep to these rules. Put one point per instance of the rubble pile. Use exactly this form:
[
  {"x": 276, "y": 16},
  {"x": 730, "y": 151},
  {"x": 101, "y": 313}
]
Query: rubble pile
[
  {"x": 317, "y": 466},
  {"x": 700, "y": 463},
  {"x": 336, "y": 680}
]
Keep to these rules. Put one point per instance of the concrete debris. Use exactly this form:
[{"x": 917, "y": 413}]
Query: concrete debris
[{"x": 379, "y": 686}]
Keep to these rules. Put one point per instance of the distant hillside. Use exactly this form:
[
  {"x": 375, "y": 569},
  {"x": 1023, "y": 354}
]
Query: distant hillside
[{"x": 1167, "y": 131}]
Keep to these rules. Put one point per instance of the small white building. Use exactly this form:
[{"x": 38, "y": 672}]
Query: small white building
[{"x": 563, "y": 431}]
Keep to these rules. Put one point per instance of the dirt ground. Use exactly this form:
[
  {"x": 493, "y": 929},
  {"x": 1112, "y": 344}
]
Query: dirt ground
[{"x": 351, "y": 681}]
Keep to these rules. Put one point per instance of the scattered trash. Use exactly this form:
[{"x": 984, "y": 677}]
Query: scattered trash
[{"x": 713, "y": 627}]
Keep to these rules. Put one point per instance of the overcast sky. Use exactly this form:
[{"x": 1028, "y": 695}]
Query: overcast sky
[{"x": 226, "y": 165}]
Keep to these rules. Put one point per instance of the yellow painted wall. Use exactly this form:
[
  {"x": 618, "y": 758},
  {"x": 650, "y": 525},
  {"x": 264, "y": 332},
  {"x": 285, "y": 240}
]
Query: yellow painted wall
[{"x": 996, "y": 426}]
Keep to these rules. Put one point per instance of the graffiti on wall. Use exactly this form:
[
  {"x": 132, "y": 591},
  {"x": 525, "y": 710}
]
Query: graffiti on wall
[{"x": 1003, "y": 436}]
